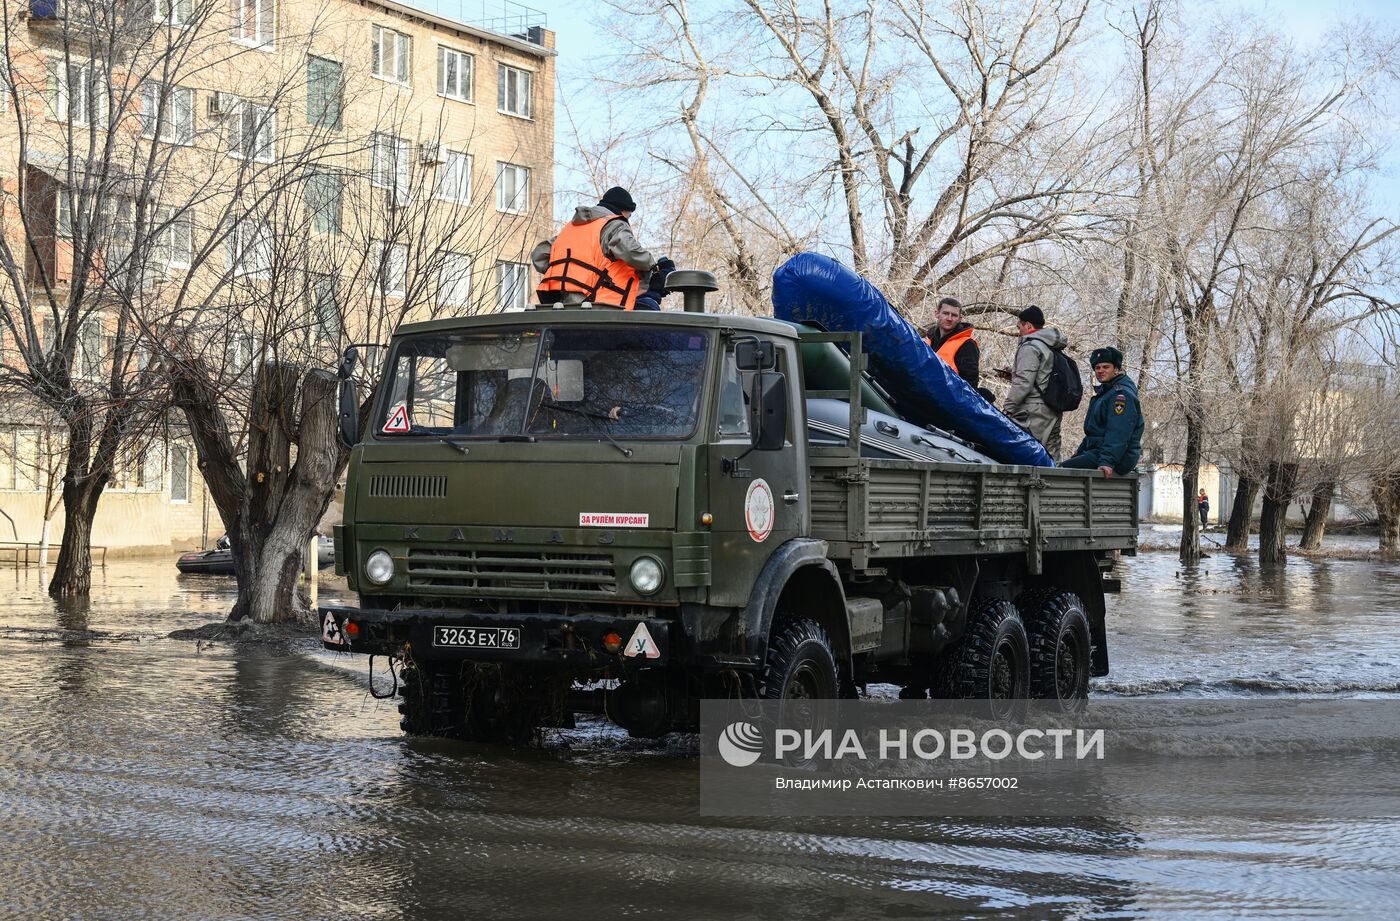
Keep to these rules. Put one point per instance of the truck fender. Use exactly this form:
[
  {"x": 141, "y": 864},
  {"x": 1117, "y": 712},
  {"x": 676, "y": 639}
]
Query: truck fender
[{"x": 802, "y": 564}]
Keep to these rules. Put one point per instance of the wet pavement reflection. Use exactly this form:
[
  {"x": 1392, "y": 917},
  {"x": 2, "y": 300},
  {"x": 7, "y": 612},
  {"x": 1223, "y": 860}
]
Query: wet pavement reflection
[{"x": 147, "y": 777}]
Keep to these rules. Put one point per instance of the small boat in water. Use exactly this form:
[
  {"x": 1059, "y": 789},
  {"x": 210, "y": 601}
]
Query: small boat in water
[{"x": 219, "y": 560}]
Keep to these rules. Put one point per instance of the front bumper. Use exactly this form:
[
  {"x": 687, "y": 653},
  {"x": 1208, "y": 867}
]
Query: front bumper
[{"x": 574, "y": 640}]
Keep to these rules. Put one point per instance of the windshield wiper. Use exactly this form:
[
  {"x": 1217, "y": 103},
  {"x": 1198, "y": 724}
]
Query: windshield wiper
[
  {"x": 459, "y": 448},
  {"x": 626, "y": 452},
  {"x": 592, "y": 417}
]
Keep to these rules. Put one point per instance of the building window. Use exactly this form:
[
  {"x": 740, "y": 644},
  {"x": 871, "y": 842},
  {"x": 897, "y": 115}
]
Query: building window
[
  {"x": 9, "y": 459},
  {"x": 179, "y": 473},
  {"x": 456, "y": 289},
  {"x": 172, "y": 241},
  {"x": 512, "y": 188},
  {"x": 323, "y": 198},
  {"x": 391, "y": 267},
  {"x": 172, "y": 12},
  {"x": 390, "y": 54},
  {"x": 244, "y": 357},
  {"x": 252, "y": 132},
  {"x": 512, "y": 279},
  {"x": 138, "y": 469},
  {"x": 173, "y": 110},
  {"x": 389, "y": 165},
  {"x": 249, "y": 248},
  {"x": 24, "y": 462},
  {"x": 152, "y": 473},
  {"x": 90, "y": 349},
  {"x": 254, "y": 21},
  {"x": 325, "y": 309},
  {"x": 76, "y": 92},
  {"x": 513, "y": 90},
  {"x": 323, "y": 93},
  {"x": 455, "y": 73},
  {"x": 454, "y": 178}
]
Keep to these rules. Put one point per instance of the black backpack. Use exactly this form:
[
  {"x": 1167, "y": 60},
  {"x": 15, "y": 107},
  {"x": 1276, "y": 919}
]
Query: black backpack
[{"x": 1064, "y": 388}]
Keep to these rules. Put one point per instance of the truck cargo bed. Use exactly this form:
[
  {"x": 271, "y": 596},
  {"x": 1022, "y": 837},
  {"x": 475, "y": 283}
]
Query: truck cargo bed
[{"x": 873, "y": 508}]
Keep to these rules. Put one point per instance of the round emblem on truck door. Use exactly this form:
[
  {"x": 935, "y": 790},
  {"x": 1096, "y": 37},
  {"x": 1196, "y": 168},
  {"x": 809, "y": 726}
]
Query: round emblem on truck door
[{"x": 759, "y": 510}]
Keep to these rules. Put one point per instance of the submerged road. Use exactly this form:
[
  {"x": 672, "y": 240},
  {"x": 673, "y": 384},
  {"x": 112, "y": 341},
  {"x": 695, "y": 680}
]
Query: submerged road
[{"x": 145, "y": 777}]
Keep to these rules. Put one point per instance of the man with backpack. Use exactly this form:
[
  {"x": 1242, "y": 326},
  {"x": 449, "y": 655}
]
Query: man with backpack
[
  {"x": 1045, "y": 383},
  {"x": 1113, "y": 426}
]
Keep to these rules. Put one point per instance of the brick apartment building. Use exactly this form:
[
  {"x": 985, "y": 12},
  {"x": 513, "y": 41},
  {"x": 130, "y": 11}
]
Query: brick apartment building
[{"x": 400, "y": 102}]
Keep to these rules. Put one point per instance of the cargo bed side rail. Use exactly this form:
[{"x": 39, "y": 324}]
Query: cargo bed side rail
[{"x": 851, "y": 341}]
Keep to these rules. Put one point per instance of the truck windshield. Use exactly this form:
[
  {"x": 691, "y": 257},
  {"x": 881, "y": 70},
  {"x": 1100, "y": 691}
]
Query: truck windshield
[{"x": 582, "y": 382}]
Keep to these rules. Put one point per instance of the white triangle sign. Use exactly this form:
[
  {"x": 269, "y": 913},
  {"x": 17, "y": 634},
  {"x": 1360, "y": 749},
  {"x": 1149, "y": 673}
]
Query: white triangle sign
[
  {"x": 641, "y": 644},
  {"x": 398, "y": 420}
]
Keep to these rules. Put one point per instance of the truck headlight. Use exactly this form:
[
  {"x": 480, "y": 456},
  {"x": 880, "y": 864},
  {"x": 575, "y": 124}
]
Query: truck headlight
[
  {"x": 379, "y": 568},
  {"x": 647, "y": 575}
]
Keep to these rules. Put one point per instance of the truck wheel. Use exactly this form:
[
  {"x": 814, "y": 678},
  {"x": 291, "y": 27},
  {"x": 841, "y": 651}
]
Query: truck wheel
[
  {"x": 801, "y": 673},
  {"x": 1058, "y": 630},
  {"x": 506, "y": 707},
  {"x": 991, "y": 661},
  {"x": 431, "y": 700},
  {"x": 801, "y": 665},
  {"x": 458, "y": 701}
]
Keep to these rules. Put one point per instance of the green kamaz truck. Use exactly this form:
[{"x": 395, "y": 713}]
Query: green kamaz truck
[{"x": 569, "y": 510}]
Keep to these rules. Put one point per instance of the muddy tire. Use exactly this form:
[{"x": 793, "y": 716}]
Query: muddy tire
[
  {"x": 458, "y": 700},
  {"x": 431, "y": 702},
  {"x": 801, "y": 665},
  {"x": 991, "y": 661},
  {"x": 1061, "y": 649},
  {"x": 801, "y": 673}
]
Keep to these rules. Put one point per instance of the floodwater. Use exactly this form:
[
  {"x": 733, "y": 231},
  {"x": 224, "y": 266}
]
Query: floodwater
[{"x": 146, "y": 777}]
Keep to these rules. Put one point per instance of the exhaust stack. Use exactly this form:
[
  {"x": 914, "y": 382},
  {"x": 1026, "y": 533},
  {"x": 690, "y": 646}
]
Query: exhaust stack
[{"x": 693, "y": 284}]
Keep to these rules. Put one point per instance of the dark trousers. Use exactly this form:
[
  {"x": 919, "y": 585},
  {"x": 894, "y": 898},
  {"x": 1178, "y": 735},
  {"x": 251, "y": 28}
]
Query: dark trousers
[{"x": 1205, "y": 514}]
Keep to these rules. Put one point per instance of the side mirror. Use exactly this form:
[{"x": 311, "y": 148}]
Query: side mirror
[
  {"x": 755, "y": 355},
  {"x": 768, "y": 418},
  {"x": 349, "y": 400}
]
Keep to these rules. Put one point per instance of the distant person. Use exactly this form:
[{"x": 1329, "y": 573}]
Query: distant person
[
  {"x": 1203, "y": 508},
  {"x": 1113, "y": 426},
  {"x": 596, "y": 255},
  {"x": 1035, "y": 359},
  {"x": 952, "y": 340}
]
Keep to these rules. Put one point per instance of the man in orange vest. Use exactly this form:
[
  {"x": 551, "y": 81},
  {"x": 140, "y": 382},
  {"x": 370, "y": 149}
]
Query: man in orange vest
[
  {"x": 952, "y": 339},
  {"x": 596, "y": 255}
]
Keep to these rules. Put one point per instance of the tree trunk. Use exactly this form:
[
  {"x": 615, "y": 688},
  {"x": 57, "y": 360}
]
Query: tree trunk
[
  {"x": 1197, "y": 344},
  {"x": 1190, "y": 479},
  {"x": 45, "y": 534},
  {"x": 72, "y": 574},
  {"x": 270, "y": 510},
  {"x": 1273, "y": 520},
  {"x": 1385, "y": 490},
  {"x": 1241, "y": 511},
  {"x": 1316, "y": 524}
]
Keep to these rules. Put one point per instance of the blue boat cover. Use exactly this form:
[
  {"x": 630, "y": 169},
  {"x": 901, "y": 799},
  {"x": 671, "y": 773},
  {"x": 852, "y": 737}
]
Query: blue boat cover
[{"x": 813, "y": 288}]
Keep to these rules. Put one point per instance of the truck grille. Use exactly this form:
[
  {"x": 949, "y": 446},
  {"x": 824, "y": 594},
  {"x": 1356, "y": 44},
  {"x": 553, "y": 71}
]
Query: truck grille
[
  {"x": 408, "y": 487},
  {"x": 512, "y": 572}
]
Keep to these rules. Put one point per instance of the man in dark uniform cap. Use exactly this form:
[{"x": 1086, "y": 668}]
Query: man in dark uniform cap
[{"x": 1113, "y": 426}]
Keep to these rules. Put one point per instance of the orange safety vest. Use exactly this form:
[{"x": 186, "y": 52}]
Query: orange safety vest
[
  {"x": 577, "y": 263},
  {"x": 949, "y": 349}
]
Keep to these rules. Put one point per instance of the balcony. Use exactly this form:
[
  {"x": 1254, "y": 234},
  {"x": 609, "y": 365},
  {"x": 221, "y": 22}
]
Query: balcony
[{"x": 504, "y": 17}]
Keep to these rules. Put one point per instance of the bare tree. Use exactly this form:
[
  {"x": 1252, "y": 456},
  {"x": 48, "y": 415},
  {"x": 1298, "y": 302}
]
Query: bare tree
[
  {"x": 91, "y": 225},
  {"x": 335, "y": 241},
  {"x": 947, "y": 139},
  {"x": 1219, "y": 144}
]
